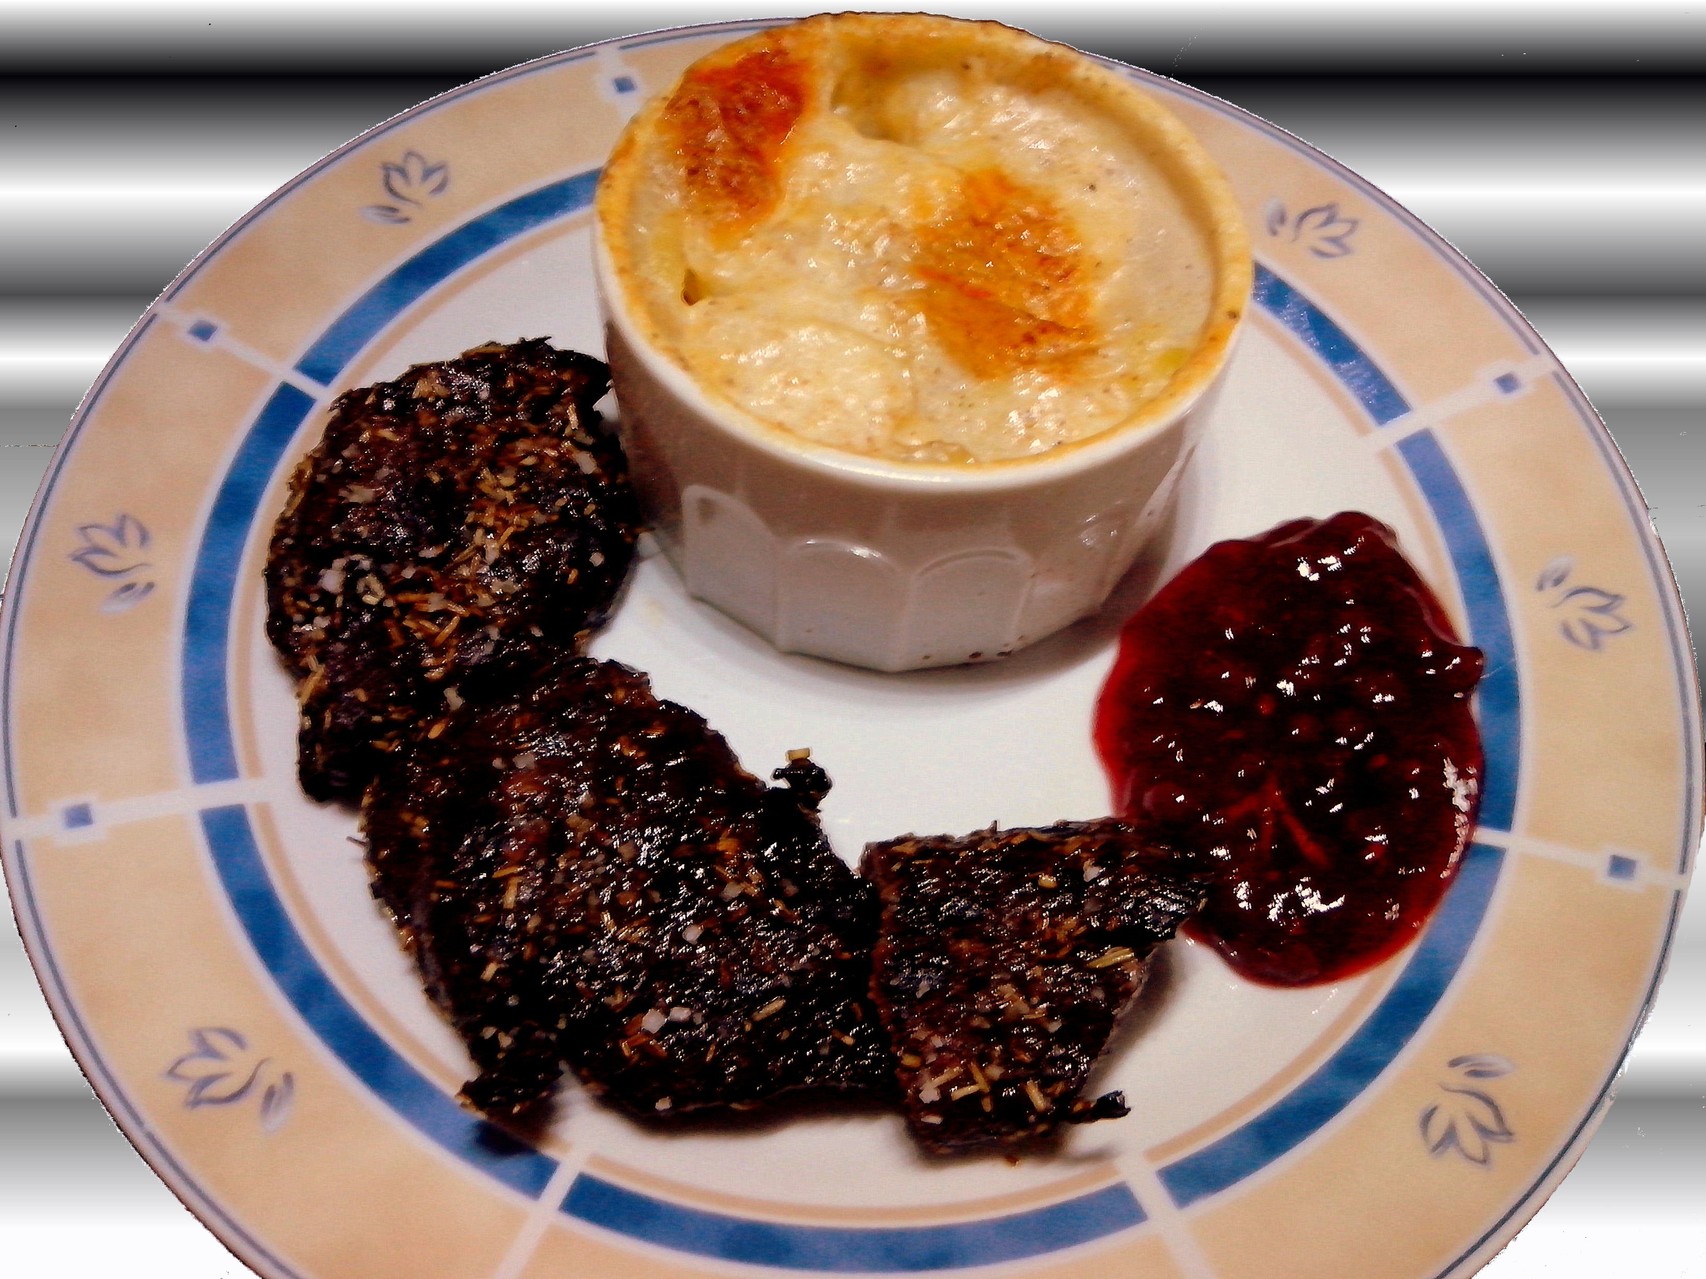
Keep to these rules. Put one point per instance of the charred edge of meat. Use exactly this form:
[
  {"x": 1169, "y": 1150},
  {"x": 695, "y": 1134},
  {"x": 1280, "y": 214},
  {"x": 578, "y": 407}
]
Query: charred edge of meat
[
  {"x": 585, "y": 874},
  {"x": 1003, "y": 963},
  {"x": 448, "y": 525}
]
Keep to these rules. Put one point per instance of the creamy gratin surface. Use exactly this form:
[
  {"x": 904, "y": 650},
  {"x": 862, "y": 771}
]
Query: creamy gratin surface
[{"x": 915, "y": 250}]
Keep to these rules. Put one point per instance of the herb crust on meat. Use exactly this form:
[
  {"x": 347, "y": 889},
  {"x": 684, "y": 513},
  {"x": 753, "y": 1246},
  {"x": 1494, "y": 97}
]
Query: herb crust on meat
[
  {"x": 449, "y": 524},
  {"x": 586, "y": 874},
  {"x": 1003, "y": 962}
]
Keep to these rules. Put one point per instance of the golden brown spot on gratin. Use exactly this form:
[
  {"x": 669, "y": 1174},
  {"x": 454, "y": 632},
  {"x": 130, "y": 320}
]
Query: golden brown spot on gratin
[
  {"x": 728, "y": 125},
  {"x": 1004, "y": 282}
]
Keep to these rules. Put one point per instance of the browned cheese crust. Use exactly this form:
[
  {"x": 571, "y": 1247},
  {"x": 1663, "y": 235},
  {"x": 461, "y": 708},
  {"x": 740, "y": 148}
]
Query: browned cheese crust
[
  {"x": 448, "y": 527},
  {"x": 1003, "y": 963}
]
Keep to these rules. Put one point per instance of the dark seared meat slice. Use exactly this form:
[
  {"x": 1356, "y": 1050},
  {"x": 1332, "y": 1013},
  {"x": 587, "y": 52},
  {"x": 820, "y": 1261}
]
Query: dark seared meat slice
[
  {"x": 446, "y": 526},
  {"x": 1003, "y": 961},
  {"x": 586, "y": 873}
]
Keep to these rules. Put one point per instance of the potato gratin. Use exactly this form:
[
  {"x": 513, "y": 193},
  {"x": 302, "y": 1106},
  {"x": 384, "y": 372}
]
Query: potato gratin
[{"x": 919, "y": 239}]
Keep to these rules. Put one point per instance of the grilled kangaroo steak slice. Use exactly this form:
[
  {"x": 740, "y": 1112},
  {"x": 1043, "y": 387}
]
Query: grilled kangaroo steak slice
[
  {"x": 1003, "y": 961},
  {"x": 449, "y": 524},
  {"x": 585, "y": 873}
]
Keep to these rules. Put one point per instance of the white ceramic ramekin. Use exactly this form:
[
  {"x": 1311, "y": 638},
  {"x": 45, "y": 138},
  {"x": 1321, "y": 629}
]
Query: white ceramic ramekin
[{"x": 900, "y": 565}]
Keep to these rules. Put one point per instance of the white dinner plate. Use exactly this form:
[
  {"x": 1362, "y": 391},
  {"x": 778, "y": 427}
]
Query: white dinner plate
[{"x": 206, "y": 936}]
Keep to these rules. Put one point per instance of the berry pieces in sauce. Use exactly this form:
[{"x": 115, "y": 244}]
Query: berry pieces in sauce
[
  {"x": 1003, "y": 963},
  {"x": 1292, "y": 712}
]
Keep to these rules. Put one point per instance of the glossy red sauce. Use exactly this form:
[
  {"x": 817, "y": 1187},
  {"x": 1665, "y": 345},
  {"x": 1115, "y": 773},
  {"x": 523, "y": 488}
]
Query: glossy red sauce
[{"x": 1292, "y": 713}]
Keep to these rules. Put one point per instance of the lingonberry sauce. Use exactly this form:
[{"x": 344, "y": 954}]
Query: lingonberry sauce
[{"x": 1292, "y": 713}]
